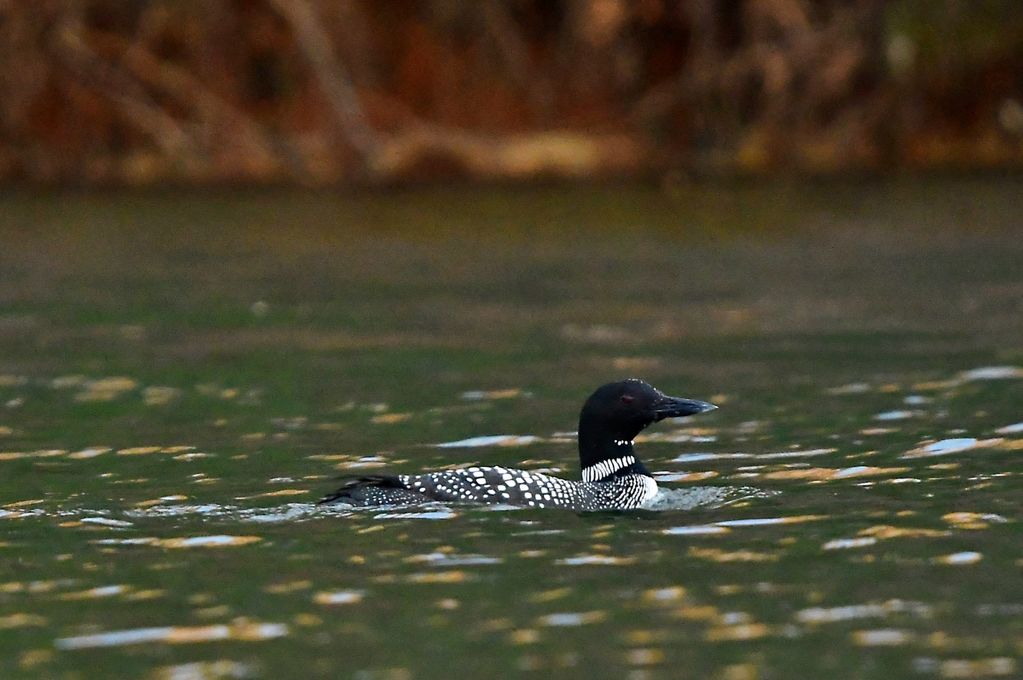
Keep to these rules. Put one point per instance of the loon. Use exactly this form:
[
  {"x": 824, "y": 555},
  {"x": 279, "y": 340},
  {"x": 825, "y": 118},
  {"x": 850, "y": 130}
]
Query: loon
[{"x": 613, "y": 478}]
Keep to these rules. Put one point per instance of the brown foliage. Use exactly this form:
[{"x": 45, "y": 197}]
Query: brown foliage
[{"x": 320, "y": 92}]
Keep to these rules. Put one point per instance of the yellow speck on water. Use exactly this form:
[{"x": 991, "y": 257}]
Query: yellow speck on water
[
  {"x": 550, "y": 595},
  {"x": 635, "y": 364},
  {"x": 42, "y": 453},
  {"x": 389, "y": 418},
  {"x": 337, "y": 597},
  {"x": 695, "y": 476},
  {"x": 281, "y": 492},
  {"x": 239, "y": 630},
  {"x": 644, "y": 656},
  {"x": 214, "y": 613},
  {"x": 739, "y": 671},
  {"x": 64, "y": 382},
  {"x": 22, "y": 620},
  {"x": 495, "y": 625},
  {"x": 1000, "y": 666},
  {"x": 139, "y": 450},
  {"x": 288, "y": 587},
  {"x": 5, "y": 431},
  {"x": 140, "y": 595},
  {"x": 884, "y": 637},
  {"x": 307, "y": 620},
  {"x": 931, "y": 385},
  {"x": 220, "y": 541},
  {"x": 971, "y": 520},
  {"x": 22, "y": 504},
  {"x": 643, "y": 637},
  {"x": 32, "y": 658},
  {"x": 105, "y": 389},
  {"x": 705, "y": 612},
  {"x": 831, "y": 474},
  {"x": 159, "y": 396},
  {"x": 202, "y": 670},
  {"x": 742, "y": 631},
  {"x": 114, "y": 383},
  {"x": 479, "y": 395},
  {"x": 884, "y": 531},
  {"x": 524, "y": 636},
  {"x": 718, "y": 555},
  {"x": 455, "y": 576},
  {"x": 669, "y": 594},
  {"x": 32, "y": 586}
]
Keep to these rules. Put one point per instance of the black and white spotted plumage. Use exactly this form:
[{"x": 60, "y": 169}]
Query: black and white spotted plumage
[{"x": 613, "y": 478}]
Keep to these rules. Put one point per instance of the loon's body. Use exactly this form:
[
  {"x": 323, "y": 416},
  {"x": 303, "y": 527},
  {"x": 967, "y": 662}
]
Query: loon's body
[
  {"x": 496, "y": 484},
  {"x": 613, "y": 478}
]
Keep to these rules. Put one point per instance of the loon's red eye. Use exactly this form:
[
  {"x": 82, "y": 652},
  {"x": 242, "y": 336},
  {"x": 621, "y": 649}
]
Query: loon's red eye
[{"x": 628, "y": 398}]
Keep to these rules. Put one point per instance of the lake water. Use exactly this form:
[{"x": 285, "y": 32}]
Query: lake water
[{"x": 183, "y": 375}]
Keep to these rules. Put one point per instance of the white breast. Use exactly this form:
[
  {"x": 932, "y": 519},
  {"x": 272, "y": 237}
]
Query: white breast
[{"x": 649, "y": 490}]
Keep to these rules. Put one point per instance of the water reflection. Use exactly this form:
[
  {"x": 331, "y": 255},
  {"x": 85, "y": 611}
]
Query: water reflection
[{"x": 242, "y": 631}]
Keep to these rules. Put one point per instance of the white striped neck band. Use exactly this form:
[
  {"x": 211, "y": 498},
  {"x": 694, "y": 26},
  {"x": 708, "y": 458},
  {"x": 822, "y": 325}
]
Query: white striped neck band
[{"x": 607, "y": 467}]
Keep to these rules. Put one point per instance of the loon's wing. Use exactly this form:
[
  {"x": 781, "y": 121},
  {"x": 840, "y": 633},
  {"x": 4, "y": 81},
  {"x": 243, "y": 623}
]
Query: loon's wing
[
  {"x": 495, "y": 484},
  {"x": 478, "y": 484},
  {"x": 374, "y": 490}
]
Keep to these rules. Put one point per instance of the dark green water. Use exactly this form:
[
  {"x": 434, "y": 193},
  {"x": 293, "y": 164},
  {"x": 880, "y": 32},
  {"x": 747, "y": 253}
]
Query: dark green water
[{"x": 181, "y": 376}]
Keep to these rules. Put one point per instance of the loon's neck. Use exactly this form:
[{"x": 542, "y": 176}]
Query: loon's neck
[{"x": 603, "y": 454}]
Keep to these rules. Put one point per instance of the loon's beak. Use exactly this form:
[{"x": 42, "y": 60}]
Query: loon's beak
[{"x": 676, "y": 407}]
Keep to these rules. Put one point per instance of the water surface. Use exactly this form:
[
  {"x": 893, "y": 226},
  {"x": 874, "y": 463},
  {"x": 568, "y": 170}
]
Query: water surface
[{"x": 182, "y": 376}]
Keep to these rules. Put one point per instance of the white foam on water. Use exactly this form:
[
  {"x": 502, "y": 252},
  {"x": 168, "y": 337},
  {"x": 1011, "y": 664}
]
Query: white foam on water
[
  {"x": 992, "y": 373},
  {"x": 491, "y": 440}
]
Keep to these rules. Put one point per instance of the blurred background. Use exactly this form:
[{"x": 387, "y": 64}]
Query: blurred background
[{"x": 322, "y": 93}]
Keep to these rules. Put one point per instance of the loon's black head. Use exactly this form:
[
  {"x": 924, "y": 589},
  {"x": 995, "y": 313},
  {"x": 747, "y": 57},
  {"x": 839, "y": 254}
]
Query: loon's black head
[{"x": 615, "y": 413}]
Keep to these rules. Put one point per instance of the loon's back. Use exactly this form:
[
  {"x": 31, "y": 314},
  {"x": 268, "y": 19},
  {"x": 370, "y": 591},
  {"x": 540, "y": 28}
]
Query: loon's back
[
  {"x": 498, "y": 485},
  {"x": 613, "y": 478}
]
